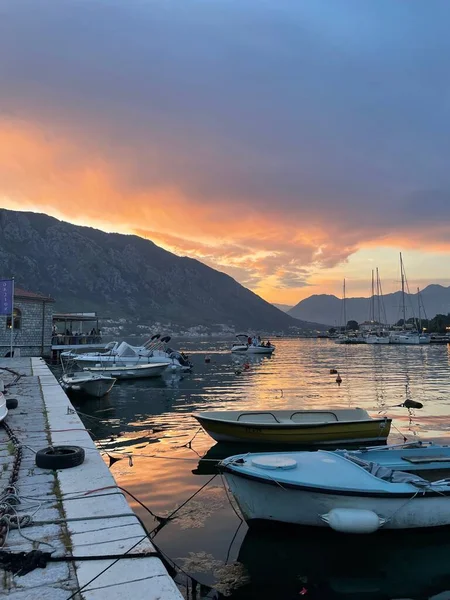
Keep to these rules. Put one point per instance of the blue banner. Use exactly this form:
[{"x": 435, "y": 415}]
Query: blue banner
[{"x": 6, "y": 296}]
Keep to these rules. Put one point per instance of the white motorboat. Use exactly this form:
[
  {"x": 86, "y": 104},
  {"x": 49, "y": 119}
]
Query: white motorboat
[
  {"x": 126, "y": 355},
  {"x": 242, "y": 346},
  {"x": 70, "y": 355},
  {"x": 3, "y": 409},
  {"x": 129, "y": 371},
  {"x": 91, "y": 384},
  {"x": 347, "y": 491}
]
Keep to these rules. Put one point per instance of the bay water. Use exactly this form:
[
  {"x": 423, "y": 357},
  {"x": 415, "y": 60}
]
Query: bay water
[{"x": 165, "y": 458}]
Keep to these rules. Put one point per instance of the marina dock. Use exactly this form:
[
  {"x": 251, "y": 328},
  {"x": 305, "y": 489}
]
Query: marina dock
[{"x": 69, "y": 513}]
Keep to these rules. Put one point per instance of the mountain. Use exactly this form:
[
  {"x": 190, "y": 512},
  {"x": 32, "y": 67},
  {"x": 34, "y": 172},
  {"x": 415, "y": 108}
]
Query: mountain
[
  {"x": 283, "y": 307},
  {"x": 326, "y": 308},
  {"x": 125, "y": 276}
]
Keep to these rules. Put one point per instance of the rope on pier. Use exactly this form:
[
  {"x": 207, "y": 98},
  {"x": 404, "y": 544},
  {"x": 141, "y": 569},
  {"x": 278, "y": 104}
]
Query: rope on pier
[{"x": 21, "y": 563}]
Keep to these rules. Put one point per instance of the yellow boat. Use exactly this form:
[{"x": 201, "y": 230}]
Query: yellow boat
[{"x": 309, "y": 427}]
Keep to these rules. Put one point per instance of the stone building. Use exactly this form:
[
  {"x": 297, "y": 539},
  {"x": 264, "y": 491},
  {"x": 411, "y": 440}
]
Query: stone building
[{"x": 32, "y": 333}]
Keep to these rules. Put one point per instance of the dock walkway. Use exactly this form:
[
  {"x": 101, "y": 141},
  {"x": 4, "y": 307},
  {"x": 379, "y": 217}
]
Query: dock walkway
[{"x": 69, "y": 517}]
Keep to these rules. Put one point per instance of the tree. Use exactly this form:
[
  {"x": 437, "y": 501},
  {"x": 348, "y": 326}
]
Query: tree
[
  {"x": 352, "y": 325},
  {"x": 332, "y": 330}
]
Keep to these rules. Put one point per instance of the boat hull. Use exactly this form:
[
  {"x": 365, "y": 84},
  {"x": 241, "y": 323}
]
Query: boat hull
[
  {"x": 253, "y": 349},
  {"x": 375, "y": 340},
  {"x": 96, "y": 388},
  {"x": 371, "y": 430},
  {"x": 405, "y": 340},
  {"x": 269, "y": 501},
  {"x": 129, "y": 372}
]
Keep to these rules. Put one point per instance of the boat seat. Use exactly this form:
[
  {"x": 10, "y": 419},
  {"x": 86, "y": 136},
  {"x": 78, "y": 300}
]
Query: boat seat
[
  {"x": 304, "y": 417},
  {"x": 262, "y": 417},
  {"x": 386, "y": 473},
  {"x": 418, "y": 460}
]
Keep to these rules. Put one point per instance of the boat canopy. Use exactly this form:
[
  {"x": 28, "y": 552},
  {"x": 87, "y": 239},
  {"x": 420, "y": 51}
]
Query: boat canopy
[{"x": 125, "y": 350}]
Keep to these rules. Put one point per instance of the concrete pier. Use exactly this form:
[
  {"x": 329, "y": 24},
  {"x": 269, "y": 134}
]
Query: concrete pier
[{"x": 63, "y": 505}]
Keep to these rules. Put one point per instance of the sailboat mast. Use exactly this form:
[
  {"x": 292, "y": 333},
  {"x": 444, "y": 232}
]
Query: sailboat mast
[
  {"x": 418, "y": 303},
  {"x": 378, "y": 299},
  {"x": 372, "y": 304},
  {"x": 403, "y": 291},
  {"x": 344, "y": 309}
]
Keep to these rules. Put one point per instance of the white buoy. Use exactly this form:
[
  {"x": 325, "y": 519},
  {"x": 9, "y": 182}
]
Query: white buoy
[{"x": 353, "y": 520}]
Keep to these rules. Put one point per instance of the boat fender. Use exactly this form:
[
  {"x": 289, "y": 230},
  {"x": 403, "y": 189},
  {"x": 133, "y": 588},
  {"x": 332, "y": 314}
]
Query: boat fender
[{"x": 353, "y": 520}]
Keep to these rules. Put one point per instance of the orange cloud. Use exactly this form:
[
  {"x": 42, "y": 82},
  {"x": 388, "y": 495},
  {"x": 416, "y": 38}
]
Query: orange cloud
[{"x": 267, "y": 250}]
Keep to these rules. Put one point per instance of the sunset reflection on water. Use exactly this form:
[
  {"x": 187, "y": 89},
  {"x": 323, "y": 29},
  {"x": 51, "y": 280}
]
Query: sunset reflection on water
[{"x": 152, "y": 421}]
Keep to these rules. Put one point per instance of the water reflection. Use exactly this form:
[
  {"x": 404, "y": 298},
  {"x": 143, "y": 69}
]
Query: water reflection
[
  {"x": 152, "y": 420},
  {"x": 294, "y": 562}
]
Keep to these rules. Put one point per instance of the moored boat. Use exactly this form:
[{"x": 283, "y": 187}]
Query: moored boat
[
  {"x": 129, "y": 371},
  {"x": 91, "y": 384},
  {"x": 154, "y": 350},
  {"x": 309, "y": 427},
  {"x": 256, "y": 347},
  {"x": 341, "y": 490}
]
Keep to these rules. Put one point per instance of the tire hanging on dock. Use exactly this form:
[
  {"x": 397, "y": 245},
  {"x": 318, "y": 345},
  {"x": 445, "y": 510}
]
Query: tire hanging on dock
[{"x": 60, "y": 457}]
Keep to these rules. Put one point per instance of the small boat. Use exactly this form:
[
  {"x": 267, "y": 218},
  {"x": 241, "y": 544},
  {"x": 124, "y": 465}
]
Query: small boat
[
  {"x": 242, "y": 345},
  {"x": 3, "y": 409},
  {"x": 91, "y": 384},
  {"x": 129, "y": 371},
  {"x": 123, "y": 354},
  {"x": 309, "y": 427},
  {"x": 342, "y": 490}
]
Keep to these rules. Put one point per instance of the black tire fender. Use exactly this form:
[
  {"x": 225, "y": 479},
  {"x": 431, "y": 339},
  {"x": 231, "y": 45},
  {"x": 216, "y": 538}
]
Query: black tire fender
[
  {"x": 11, "y": 403},
  {"x": 60, "y": 457}
]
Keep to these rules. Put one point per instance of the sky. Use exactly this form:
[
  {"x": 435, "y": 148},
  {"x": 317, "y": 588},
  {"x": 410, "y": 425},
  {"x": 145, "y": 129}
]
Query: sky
[{"x": 289, "y": 144}]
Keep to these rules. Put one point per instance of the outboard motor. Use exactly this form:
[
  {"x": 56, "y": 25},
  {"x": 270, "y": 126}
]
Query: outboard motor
[{"x": 180, "y": 357}]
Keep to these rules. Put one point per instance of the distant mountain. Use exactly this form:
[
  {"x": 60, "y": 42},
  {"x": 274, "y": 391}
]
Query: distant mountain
[
  {"x": 125, "y": 276},
  {"x": 283, "y": 307},
  {"x": 326, "y": 308}
]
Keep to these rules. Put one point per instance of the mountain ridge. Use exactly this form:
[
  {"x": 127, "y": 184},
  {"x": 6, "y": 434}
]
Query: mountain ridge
[
  {"x": 126, "y": 276},
  {"x": 327, "y": 308}
]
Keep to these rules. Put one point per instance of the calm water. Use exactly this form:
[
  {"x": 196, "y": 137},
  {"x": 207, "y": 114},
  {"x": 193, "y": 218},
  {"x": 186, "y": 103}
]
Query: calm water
[{"x": 152, "y": 421}]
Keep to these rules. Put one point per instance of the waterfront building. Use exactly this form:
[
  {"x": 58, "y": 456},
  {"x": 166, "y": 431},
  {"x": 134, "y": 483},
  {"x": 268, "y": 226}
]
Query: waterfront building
[{"x": 32, "y": 326}]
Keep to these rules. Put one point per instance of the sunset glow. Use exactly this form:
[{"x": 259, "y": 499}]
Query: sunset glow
[{"x": 212, "y": 149}]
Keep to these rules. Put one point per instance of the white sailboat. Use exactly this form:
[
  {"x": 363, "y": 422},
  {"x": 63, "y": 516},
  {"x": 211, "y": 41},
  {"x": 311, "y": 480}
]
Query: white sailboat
[
  {"x": 424, "y": 338},
  {"x": 404, "y": 336},
  {"x": 348, "y": 337},
  {"x": 378, "y": 335}
]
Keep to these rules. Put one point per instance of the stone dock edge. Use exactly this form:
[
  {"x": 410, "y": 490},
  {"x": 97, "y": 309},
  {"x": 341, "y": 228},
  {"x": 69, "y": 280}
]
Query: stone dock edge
[{"x": 117, "y": 529}]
